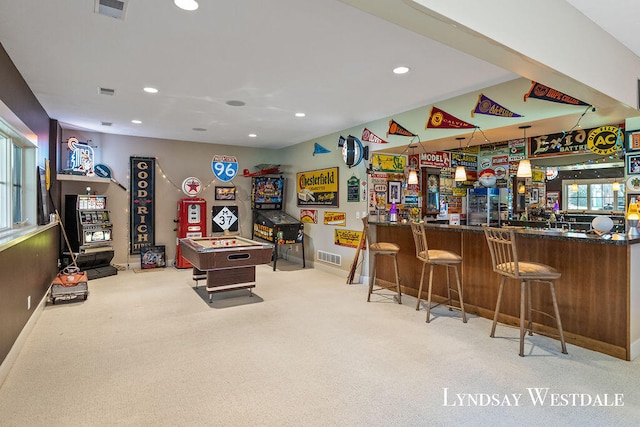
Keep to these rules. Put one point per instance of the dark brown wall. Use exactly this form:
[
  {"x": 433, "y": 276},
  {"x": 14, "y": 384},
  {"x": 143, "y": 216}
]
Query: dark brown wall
[
  {"x": 28, "y": 265},
  {"x": 27, "y": 270}
]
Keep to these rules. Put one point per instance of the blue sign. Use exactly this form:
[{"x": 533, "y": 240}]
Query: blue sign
[
  {"x": 102, "y": 171},
  {"x": 225, "y": 168}
]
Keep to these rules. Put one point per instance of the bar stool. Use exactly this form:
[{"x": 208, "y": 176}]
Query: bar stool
[
  {"x": 379, "y": 249},
  {"x": 435, "y": 257},
  {"x": 504, "y": 257}
]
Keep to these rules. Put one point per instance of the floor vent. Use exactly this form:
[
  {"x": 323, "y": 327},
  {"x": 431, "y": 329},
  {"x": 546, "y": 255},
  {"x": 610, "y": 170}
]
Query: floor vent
[
  {"x": 107, "y": 123},
  {"x": 111, "y": 8},
  {"x": 330, "y": 258},
  {"x": 106, "y": 91}
]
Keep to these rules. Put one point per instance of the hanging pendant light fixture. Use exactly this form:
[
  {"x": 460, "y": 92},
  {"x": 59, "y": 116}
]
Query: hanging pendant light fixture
[
  {"x": 413, "y": 175},
  {"x": 524, "y": 167},
  {"x": 615, "y": 186},
  {"x": 461, "y": 172}
]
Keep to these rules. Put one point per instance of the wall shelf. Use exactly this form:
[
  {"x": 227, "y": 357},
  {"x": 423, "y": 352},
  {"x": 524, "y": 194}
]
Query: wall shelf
[{"x": 82, "y": 178}]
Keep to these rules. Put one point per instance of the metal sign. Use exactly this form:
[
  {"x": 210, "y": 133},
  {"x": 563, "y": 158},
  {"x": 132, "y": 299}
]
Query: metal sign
[{"x": 225, "y": 168}]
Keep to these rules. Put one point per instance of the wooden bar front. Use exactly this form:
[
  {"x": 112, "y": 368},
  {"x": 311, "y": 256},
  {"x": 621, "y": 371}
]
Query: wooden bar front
[{"x": 593, "y": 292}]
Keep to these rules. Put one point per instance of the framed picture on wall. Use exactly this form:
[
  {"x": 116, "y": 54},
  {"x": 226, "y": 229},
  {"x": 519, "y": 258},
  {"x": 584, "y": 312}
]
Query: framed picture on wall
[
  {"x": 633, "y": 140},
  {"x": 225, "y": 193},
  {"x": 633, "y": 164},
  {"x": 395, "y": 192}
]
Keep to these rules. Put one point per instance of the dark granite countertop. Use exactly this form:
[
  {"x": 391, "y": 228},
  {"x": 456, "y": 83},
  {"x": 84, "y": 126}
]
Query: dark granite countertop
[{"x": 554, "y": 234}]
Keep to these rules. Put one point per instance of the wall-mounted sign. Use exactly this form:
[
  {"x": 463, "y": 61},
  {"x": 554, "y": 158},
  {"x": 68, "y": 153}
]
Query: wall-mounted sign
[
  {"x": 224, "y": 218},
  {"x": 317, "y": 188},
  {"x": 191, "y": 186},
  {"x": 605, "y": 140},
  {"x": 348, "y": 238},
  {"x": 225, "y": 168},
  {"x": 574, "y": 142},
  {"x": 142, "y": 203},
  {"x": 353, "y": 189},
  {"x": 335, "y": 218},
  {"x": 309, "y": 216},
  {"x": 388, "y": 163},
  {"x": 469, "y": 161},
  {"x": 438, "y": 159}
]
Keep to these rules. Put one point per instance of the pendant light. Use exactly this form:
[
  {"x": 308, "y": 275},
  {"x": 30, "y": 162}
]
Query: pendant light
[
  {"x": 524, "y": 167},
  {"x": 615, "y": 186},
  {"x": 461, "y": 172},
  {"x": 413, "y": 175}
]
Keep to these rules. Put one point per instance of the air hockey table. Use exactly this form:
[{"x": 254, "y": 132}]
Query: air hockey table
[{"x": 228, "y": 261}]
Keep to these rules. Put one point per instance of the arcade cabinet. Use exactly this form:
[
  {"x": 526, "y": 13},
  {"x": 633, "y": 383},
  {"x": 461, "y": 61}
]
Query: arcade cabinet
[{"x": 270, "y": 222}]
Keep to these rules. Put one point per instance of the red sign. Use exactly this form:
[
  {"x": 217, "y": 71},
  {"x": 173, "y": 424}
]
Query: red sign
[{"x": 439, "y": 159}]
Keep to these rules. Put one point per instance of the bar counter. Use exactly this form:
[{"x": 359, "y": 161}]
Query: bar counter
[{"x": 598, "y": 293}]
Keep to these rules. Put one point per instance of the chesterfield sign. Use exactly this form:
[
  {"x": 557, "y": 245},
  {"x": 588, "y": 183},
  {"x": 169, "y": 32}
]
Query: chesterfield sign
[{"x": 142, "y": 203}]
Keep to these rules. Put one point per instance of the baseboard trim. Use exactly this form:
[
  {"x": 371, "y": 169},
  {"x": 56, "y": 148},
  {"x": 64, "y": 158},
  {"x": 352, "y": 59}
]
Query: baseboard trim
[{"x": 13, "y": 354}]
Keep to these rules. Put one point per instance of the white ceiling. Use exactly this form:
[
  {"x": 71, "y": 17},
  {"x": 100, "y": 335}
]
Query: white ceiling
[{"x": 321, "y": 57}]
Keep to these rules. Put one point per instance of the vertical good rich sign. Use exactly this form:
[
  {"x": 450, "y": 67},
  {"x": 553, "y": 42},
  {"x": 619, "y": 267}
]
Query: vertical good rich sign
[{"x": 142, "y": 203}]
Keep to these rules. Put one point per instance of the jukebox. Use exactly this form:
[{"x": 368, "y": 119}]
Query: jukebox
[{"x": 270, "y": 223}]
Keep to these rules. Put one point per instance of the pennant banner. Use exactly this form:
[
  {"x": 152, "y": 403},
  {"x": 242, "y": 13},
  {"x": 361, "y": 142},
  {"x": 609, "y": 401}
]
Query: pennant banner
[
  {"x": 443, "y": 120},
  {"x": 397, "y": 129},
  {"x": 540, "y": 91},
  {"x": 491, "y": 108},
  {"x": 369, "y": 136}
]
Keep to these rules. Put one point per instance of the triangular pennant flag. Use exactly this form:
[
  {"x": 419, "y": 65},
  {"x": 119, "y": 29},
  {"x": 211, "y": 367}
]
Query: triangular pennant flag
[
  {"x": 443, "y": 120},
  {"x": 319, "y": 149},
  {"x": 540, "y": 91},
  {"x": 396, "y": 129},
  {"x": 369, "y": 136},
  {"x": 491, "y": 108}
]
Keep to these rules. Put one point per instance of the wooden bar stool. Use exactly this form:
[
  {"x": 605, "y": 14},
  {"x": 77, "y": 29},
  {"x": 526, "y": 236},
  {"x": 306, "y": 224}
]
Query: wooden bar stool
[
  {"x": 504, "y": 257},
  {"x": 380, "y": 249},
  {"x": 435, "y": 257}
]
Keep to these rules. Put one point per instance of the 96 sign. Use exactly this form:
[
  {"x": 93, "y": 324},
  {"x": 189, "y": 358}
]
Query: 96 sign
[{"x": 225, "y": 168}]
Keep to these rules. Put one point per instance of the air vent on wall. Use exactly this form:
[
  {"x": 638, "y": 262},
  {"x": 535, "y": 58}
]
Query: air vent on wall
[
  {"x": 330, "y": 258},
  {"x": 111, "y": 8},
  {"x": 106, "y": 91}
]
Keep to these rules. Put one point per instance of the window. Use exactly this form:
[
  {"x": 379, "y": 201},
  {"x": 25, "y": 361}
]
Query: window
[
  {"x": 18, "y": 193},
  {"x": 593, "y": 195}
]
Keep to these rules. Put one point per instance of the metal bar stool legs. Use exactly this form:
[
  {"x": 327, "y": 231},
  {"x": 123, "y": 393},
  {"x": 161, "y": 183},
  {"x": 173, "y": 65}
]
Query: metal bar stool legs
[
  {"x": 373, "y": 278},
  {"x": 449, "y": 289}
]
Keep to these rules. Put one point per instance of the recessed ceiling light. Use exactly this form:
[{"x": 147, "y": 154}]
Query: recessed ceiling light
[
  {"x": 235, "y": 103},
  {"x": 137, "y": 122},
  {"x": 150, "y": 90},
  {"x": 300, "y": 114},
  {"x": 401, "y": 70},
  {"x": 186, "y": 4},
  {"x": 252, "y": 135}
]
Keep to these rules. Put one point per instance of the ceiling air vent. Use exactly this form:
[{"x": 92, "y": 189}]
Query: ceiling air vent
[
  {"x": 112, "y": 8},
  {"x": 106, "y": 91}
]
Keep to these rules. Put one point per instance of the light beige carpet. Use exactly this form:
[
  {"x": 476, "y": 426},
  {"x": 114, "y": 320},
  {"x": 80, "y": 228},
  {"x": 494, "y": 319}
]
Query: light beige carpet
[{"x": 308, "y": 350}]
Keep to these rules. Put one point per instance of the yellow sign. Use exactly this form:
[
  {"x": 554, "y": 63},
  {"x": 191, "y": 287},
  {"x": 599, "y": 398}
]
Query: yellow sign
[
  {"x": 318, "y": 187},
  {"x": 348, "y": 238},
  {"x": 604, "y": 140},
  {"x": 388, "y": 163},
  {"x": 335, "y": 218}
]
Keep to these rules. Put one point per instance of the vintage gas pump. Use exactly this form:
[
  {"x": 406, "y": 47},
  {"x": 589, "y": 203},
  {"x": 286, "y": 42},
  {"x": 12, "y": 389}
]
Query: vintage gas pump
[{"x": 192, "y": 222}]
